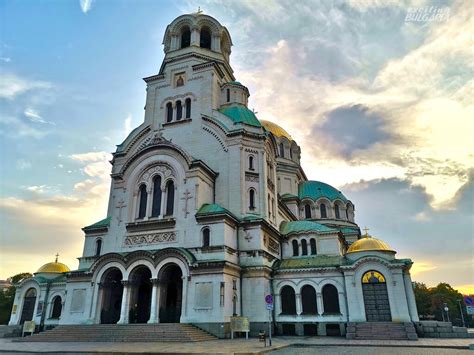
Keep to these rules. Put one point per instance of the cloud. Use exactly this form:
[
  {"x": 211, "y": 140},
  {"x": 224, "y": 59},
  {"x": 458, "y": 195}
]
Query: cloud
[
  {"x": 12, "y": 85},
  {"x": 22, "y": 164},
  {"x": 35, "y": 117},
  {"x": 85, "y": 5},
  {"x": 5, "y": 59},
  {"x": 13, "y": 127}
]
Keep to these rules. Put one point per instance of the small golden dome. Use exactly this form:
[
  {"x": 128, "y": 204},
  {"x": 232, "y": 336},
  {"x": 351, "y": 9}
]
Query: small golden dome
[
  {"x": 367, "y": 243},
  {"x": 53, "y": 268},
  {"x": 275, "y": 129}
]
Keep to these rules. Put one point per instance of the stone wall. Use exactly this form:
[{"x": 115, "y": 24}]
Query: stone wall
[{"x": 435, "y": 329}]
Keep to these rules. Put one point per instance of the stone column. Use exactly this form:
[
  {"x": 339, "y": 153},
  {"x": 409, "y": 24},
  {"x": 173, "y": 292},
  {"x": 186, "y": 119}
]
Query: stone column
[
  {"x": 410, "y": 297},
  {"x": 319, "y": 303},
  {"x": 125, "y": 300},
  {"x": 277, "y": 304},
  {"x": 184, "y": 298},
  {"x": 96, "y": 304},
  {"x": 163, "y": 202},
  {"x": 155, "y": 301},
  {"x": 149, "y": 202},
  {"x": 299, "y": 308},
  {"x": 134, "y": 207},
  {"x": 195, "y": 36}
]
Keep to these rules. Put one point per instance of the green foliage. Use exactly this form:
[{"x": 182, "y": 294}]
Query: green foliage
[
  {"x": 431, "y": 302},
  {"x": 7, "y": 296}
]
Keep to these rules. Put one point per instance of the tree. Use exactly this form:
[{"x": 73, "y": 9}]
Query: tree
[
  {"x": 423, "y": 298},
  {"x": 8, "y": 296}
]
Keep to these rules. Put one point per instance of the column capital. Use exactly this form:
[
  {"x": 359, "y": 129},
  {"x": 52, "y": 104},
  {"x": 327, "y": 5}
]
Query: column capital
[
  {"x": 155, "y": 281},
  {"x": 125, "y": 283}
]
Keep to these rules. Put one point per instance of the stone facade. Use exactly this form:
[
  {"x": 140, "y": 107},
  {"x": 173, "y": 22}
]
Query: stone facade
[{"x": 210, "y": 210}]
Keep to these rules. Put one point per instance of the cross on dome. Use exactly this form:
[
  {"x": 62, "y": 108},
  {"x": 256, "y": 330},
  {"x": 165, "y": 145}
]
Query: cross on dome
[{"x": 57, "y": 255}]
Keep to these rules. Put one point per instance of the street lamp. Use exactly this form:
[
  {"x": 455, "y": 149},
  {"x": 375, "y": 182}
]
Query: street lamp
[
  {"x": 446, "y": 309},
  {"x": 462, "y": 315}
]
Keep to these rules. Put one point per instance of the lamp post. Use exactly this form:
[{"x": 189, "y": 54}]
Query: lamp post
[
  {"x": 462, "y": 315},
  {"x": 446, "y": 309}
]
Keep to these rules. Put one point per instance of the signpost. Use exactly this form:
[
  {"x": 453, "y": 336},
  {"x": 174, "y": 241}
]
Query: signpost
[
  {"x": 269, "y": 304},
  {"x": 469, "y": 303}
]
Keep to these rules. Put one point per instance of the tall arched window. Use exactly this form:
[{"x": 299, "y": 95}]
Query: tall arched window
[
  {"x": 186, "y": 38},
  {"x": 251, "y": 163},
  {"x": 206, "y": 237},
  {"x": 324, "y": 214},
  {"x": 98, "y": 247},
  {"x": 252, "y": 199},
  {"x": 330, "y": 299},
  {"x": 304, "y": 247},
  {"x": 142, "y": 205},
  {"x": 307, "y": 211},
  {"x": 308, "y": 300},
  {"x": 169, "y": 112},
  {"x": 291, "y": 153},
  {"x": 179, "y": 110},
  {"x": 228, "y": 95},
  {"x": 57, "y": 307},
  {"x": 294, "y": 243},
  {"x": 282, "y": 150},
  {"x": 188, "y": 107},
  {"x": 269, "y": 206},
  {"x": 169, "y": 198},
  {"x": 288, "y": 300},
  {"x": 312, "y": 243},
  {"x": 205, "y": 38},
  {"x": 156, "y": 207},
  {"x": 336, "y": 211}
]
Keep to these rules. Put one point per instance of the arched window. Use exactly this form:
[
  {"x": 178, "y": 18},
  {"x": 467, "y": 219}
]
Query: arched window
[
  {"x": 288, "y": 300},
  {"x": 169, "y": 198},
  {"x": 312, "y": 243},
  {"x": 294, "y": 243},
  {"x": 188, "y": 107},
  {"x": 169, "y": 112},
  {"x": 179, "y": 110},
  {"x": 269, "y": 206},
  {"x": 228, "y": 95},
  {"x": 98, "y": 247},
  {"x": 308, "y": 300},
  {"x": 186, "y": 38},
  {"x": 57, "y": 307},
  {"x": 252, "y": 199},
  {"x": 307, "y": 211},
  {"x": 142, "y": 205},
  {"x": 304, "y": 247},
  {"x": 205, "y": 40},
  {"x": 206, "y": 237},
  {"x": 156, "y": 207},
  {"x": 251, "y": 163},
  {"x": 330, "y": 299},
  {"x": 324, "y": 214},
  {"x": 336, "y": 211},
  {"x": 282, "y": 150}
]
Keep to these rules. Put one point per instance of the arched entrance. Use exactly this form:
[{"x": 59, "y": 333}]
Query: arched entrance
[
  {"x": 171, "y": 292},
  {"x": 29, "y": 302},
  {"x": 57, "y": 307},
  {"x": 140, "y": 297},
  {"x": 112, "y": 290},
  {"x": 377, "y": 306}
]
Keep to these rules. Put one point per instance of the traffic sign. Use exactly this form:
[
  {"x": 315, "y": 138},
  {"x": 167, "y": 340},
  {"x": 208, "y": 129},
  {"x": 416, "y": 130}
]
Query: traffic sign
[
  {"x": 469, "y": 300},
  {"x": 269, "y": 306},
  {"x": 269, "y": 299},
  {"x": 470, "y": 310}
]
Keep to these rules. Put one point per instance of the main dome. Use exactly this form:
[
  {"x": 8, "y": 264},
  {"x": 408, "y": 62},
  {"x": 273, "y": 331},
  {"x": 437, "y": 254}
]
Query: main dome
[
  {"x": 317, "y": 189},
  {"x": 53, "y": 268},
  {"x": 368, "y": 243},
  {"x": 275, "y": 129}
]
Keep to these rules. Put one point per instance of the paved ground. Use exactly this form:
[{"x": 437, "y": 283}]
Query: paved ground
[
  {"x": 299, "y": 345},
  {"x": 362, "y": 350}
]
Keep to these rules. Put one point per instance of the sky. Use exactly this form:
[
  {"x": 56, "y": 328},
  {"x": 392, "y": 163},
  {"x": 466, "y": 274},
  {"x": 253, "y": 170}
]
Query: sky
[{"x": 381, "y": 106}]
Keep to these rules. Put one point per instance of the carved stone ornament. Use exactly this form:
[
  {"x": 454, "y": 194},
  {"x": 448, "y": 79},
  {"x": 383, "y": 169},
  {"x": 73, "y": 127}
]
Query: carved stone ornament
[
  {"x": 150, "y": 238},
  {"x": 163, "y": 169}
]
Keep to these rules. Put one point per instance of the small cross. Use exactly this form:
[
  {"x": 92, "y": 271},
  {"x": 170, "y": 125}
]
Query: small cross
[
  {"x": 57, "y": 255},
  {"x": 254, "y": 112},
  {"x": 187, "y": 196},
  {"x": 199, "y": 10},
  {"x": 120, "y": 205},
  {"x": 366, "y": 230},
  {"x": 247, "y": 236}
]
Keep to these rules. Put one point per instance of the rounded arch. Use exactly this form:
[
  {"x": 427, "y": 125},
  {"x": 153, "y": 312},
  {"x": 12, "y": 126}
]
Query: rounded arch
[
  {"x": 29, "y": 301},
  {"x": 110, "y": 295},
  {"x": 288, "y": 300},
  {"x": 185, "y": 36},
  {"x": 135, "y": 265},
  {"x": 325, "y": 207},
  {"x": 206, "y": 236},
  {"x": 252, "y": 198},
  {"x": 105, "y": 262},
  {"x": 205, "y": 37},
  {"x": 308, "y": 299},
  {"x": 173, "y": 260},
  {"x": 330, "y": 299},
  {"x": 56, "y": 307},
  {"x": 98, "y": 246}
]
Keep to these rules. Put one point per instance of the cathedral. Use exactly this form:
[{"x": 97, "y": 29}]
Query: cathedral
[{"x": 210, "y": 211}]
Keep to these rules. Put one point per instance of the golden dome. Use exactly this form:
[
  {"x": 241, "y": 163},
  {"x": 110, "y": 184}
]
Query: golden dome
[
  {"x": 367, "y": 243},
  {"x": 275, "y": 129},
  {"x": 53, "y": 268}
]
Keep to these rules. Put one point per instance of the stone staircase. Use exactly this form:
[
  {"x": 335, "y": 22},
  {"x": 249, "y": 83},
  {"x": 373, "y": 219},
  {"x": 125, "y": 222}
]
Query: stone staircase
[
  {"x": 381, "y": 331},
  {"x": 121, "y": 333}
]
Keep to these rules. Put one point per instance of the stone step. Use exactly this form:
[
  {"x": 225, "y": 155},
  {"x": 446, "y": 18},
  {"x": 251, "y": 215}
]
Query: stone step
[{"x": 381, "y": 331}]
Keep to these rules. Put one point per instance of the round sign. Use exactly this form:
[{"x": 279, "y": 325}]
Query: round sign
[
  {"x": 468, "y": 300},
  {"x": 269, "y": 299}
]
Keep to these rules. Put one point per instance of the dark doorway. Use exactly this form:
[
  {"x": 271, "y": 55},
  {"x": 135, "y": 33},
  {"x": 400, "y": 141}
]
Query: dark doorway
[
  {"x": 112, "y": 290},
  {"x": 28, "y": 305},
  {"x": 310, "y": 329},
  {"x": 377, "y": 306},
  {"x": 331, "y": 300},
  {"x": 57, "y": 307},
  {"x": 140, "y": 301},
  {"x": 171, "y": 294}
]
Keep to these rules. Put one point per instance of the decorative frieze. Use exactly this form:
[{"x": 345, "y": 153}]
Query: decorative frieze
[{"x": 150, "y": 238}]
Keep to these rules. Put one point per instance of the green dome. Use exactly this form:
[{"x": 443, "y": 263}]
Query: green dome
[
  {"x": 241, "y": 114},
  {"x": 304, "y": 226},
  {"x": 317, "y": 189}
]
